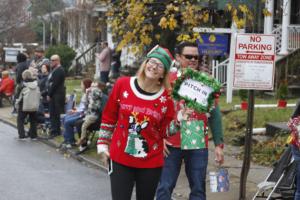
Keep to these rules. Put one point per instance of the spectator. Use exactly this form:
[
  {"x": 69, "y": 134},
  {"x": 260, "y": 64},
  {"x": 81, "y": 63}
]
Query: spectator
[
  {"x": 105, "y": 62},
  {"x": 6, "y": 86},
  {"x": 38, "y": 61},
  {"x": 74, "y": 115},
  {"x": 27, "y": 104},
  {"x": 21, "y": 67},
  {"x": 56, "y": 94},
  {"x": 45, "y": 70},
  {"x": 196, "y": 159},
  {"x": 96, "y": 100},
  {"x": 133, "y": 126},
  {"x": 293, "y": 124}
]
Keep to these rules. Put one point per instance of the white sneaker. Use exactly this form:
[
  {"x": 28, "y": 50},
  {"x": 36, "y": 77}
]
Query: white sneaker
[{"x": 82, "y": 148}]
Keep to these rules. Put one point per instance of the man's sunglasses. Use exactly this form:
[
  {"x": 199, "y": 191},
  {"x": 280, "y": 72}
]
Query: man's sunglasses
[{"x": 190, "y": 57}]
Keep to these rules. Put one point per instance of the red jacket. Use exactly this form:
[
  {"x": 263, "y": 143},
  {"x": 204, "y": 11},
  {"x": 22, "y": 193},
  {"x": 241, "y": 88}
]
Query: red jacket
[{"x": 7, "y": 86}]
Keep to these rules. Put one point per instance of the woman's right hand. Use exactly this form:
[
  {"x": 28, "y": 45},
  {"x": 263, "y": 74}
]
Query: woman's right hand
[
  {"x": 104, "y": 158},
  {"x": 104, "y": 154}
]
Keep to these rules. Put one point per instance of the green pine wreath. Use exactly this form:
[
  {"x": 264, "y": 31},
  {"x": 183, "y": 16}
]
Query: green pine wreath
[{"x": 200, "y": 77}]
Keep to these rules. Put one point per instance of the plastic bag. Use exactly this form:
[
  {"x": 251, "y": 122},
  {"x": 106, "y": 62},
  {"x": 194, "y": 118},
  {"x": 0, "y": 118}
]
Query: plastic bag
[{"x": 219, "y": 180}]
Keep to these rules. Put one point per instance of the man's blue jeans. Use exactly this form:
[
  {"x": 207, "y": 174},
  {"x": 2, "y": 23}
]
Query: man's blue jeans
[
  {"x": 195, "y": 169},
  {"x": 69, "y": 124},
  {"x": 296, "y": 156}
]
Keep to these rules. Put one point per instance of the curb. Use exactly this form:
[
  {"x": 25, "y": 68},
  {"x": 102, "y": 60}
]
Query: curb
[{"x": 83, "y": 159}]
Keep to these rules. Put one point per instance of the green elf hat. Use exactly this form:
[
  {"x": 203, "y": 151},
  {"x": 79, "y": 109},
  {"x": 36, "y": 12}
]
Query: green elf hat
[{"x": 163, "y": 55}]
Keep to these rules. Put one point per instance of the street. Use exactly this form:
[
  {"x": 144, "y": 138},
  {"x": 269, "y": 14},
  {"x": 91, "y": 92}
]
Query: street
[{"x": 31, "y": 170}]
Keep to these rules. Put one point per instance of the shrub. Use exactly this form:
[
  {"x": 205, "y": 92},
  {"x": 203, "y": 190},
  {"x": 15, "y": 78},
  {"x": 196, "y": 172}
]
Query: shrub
[
  {"x": 66, "y": 53},
  {"x": 282, "y": 91}
]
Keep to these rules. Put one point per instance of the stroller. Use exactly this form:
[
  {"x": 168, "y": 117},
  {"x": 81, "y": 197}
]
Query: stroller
[{"x": 280, "y": 183}]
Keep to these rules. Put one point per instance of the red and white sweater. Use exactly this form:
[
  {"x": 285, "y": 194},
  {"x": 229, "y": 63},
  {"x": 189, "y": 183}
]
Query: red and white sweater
[{"x": 134, "y": 125}]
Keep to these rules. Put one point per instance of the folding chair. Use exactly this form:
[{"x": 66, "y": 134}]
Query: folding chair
[
  {"x": 70, "y": 104},
  {"x": 274, "y": 183}
]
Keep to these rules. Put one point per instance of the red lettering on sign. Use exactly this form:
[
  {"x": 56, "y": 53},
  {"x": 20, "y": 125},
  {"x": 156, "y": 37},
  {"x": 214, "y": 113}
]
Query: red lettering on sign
[
  {"x": 254, "y": 57},
  {"x": 255, "y": 38}
]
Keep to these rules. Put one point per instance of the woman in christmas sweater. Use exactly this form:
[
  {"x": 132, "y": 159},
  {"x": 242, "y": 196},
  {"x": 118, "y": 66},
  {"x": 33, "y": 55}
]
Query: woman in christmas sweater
[{"x": 134, "y": 123}]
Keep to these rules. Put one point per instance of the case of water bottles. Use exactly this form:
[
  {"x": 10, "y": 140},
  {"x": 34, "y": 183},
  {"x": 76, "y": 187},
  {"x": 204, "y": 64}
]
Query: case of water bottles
[{"x": 219, "y": 180}]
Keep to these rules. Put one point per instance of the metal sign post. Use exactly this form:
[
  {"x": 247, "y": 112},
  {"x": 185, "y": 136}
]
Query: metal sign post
[
  {"x": 254, "y": 69},
  {"x": 248, "y": 145}
]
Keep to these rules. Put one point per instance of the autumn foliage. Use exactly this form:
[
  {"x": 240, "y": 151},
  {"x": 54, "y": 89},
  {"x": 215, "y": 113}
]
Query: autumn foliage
[{"x": 143, "y": 23}]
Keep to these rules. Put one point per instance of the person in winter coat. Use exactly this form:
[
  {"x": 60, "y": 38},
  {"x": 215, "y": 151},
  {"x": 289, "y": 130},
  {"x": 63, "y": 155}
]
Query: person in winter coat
[
  {"x": 74, "y": 115},
  {"x": 43, "y": 78},
  {"x": 6, "y": 86},
  {"x": 27, "y": 104},
  {"x": 21, "y": 67},
  {"x": 95, "y": 103},
  {"x": 105, "y": 62},
  {"x": 56, "y": 94},
  {"x": 134, "y": 123},
  {"x": 38, "y": 61}
]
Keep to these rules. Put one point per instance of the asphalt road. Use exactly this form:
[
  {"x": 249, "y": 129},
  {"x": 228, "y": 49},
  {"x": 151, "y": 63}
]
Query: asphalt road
[{"x": 30, "y": 170}]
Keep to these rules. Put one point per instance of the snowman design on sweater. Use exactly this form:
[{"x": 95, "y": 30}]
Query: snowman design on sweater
[{"x": 136, "y": 145}]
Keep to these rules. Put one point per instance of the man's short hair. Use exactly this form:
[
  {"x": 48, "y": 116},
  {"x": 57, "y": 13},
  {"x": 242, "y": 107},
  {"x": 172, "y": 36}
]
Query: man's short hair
[{"x": 179, "y": 48}]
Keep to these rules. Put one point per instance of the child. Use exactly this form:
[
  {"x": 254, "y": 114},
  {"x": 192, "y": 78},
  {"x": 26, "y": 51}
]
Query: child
[
  {"x": 95, "y": 103},
  {"x": 27, "y": 103}
]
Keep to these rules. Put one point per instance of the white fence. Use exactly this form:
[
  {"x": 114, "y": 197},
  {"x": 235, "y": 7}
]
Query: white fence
[
  {"x": 219, "y": 71},
  {"x": 277, "y": 31},
  {"x": 294, "y": 37}
]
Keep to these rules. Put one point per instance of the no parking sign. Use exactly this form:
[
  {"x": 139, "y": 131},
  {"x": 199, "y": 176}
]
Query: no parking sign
[{"x": 254, "y": 62}]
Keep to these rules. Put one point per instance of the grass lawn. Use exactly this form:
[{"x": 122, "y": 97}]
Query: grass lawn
[{"x": 234, "y": 123}]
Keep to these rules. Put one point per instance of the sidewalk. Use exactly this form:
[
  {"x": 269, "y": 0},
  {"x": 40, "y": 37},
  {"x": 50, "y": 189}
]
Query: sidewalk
[{"x": 181, "y": 192}]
